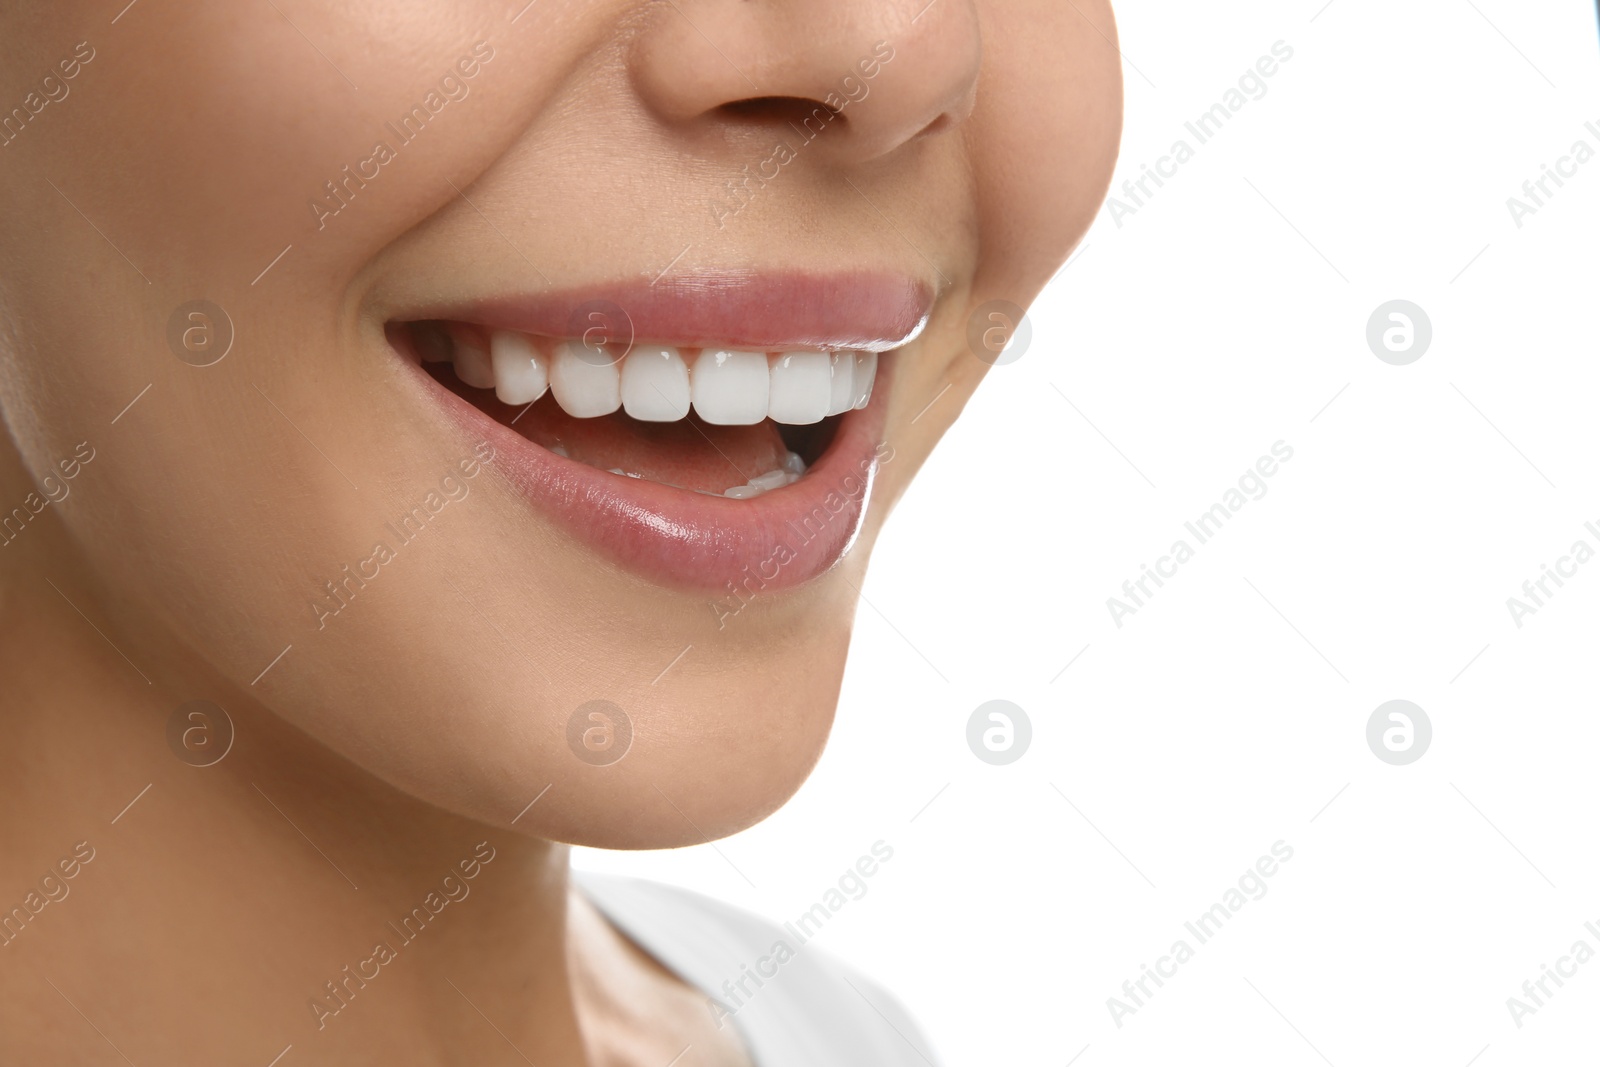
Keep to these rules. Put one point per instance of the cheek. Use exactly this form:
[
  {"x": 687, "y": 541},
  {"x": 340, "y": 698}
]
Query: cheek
[
  {"x": 186, "y": 158},
  {"x": 1043, "y": 139},
  {"x": 184, "y": 162},
  {"x": 216, "y": 127},
  {"x": 1048, "y": 127}
]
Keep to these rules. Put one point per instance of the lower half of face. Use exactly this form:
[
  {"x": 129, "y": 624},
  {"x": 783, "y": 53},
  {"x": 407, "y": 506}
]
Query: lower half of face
[{"x": 538, "y": 381}]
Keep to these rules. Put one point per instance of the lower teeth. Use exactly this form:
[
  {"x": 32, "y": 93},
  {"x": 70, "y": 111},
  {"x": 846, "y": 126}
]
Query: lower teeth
[{"x": 793, "y": 467}]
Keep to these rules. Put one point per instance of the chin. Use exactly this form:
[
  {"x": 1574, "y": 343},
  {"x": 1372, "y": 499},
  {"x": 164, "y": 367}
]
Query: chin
[
  {"x": 578, "y": 701},
  {"x": 708, "y": 755}
]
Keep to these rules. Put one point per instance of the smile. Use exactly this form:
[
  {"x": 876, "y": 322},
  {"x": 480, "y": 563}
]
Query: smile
[{"x": 735, "y": 454}]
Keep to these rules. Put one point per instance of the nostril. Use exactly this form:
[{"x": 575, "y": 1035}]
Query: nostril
[{"x": 776, "y": 109}]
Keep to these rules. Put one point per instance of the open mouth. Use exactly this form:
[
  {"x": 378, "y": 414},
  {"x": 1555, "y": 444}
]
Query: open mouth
[
  {"x": 719, "y": 421},
  {"x": 740, "y": 466}
]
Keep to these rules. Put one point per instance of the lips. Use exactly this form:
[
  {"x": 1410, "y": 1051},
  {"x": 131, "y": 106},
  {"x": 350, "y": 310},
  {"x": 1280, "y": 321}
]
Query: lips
[{"x": 719, "y": 432}]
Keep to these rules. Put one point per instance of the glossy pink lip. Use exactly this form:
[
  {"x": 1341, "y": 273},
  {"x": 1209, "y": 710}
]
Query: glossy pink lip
[
  {"x": 734, "y": 549},
  {"x": 862, "y": 309}
]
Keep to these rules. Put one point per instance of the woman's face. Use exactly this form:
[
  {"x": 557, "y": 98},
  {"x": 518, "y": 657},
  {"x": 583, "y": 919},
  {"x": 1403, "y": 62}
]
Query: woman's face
[{"x": 306, "y": 241}]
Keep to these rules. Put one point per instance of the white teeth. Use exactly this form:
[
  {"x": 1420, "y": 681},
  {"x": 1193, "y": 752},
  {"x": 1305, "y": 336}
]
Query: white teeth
[
  {"x": 771, "y": 479},
  {"x": 730, "y": 388},
  {"x": 799, "y": 387},
  {"x": 655, "y": 384},
  {"x": 841, "y": 382},
  {"x": 473, "y": 366},
  {"x": 585, "y": 380},
  {"x": 793, "y": 467},
  {"x": 520, "y": 373},
  {"x": 866, "y": 374}
]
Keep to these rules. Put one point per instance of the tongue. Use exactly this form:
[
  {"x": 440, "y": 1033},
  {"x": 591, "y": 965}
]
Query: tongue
[{"x": 689, "y": 453}]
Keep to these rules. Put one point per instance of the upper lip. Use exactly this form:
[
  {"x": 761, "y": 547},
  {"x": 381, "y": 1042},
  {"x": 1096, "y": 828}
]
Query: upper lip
[{"x": 772, "y": 311}]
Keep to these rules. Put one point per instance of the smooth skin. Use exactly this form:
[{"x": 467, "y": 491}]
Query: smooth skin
[{"x": 377, "y": 752}]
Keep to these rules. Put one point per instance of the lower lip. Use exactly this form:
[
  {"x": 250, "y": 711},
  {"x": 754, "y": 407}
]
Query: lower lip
[{"x": 676, "y": 537}]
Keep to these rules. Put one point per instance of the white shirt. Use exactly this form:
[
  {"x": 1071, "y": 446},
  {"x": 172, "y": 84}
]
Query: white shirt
[{"x": 794, "y": 1005}]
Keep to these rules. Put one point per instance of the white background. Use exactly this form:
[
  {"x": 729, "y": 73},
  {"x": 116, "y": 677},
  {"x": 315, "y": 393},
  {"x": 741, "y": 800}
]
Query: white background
[{"x": 1228, "y": 712}]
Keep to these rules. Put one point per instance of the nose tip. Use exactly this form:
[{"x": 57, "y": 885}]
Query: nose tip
[{"x": 856, "y": 79}]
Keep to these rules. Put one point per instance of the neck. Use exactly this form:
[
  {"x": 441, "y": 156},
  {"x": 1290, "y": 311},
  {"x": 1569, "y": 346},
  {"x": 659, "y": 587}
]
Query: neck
[{"x": 280, "y": 896}]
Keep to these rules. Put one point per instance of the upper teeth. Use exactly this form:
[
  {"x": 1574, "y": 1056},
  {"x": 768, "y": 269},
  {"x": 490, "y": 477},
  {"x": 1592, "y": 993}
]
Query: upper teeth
[{"x": 660, "y": 383}]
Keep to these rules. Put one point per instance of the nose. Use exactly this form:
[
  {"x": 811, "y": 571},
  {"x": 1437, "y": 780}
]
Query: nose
[{"x": 852, "y": 79}]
